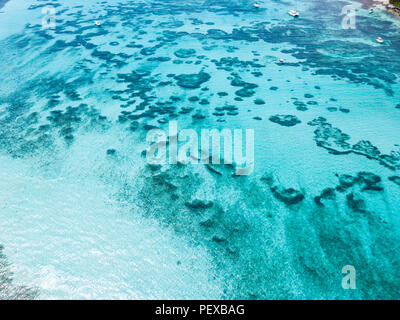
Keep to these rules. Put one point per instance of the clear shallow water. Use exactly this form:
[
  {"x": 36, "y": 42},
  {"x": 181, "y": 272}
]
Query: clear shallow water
[{"x": 78, "y": 223}]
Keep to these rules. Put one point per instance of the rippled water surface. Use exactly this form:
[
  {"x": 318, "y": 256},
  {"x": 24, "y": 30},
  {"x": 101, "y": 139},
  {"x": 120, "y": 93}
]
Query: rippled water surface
[{"x": 82, "y": 215}]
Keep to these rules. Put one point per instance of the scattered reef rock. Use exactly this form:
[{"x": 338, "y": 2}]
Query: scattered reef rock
[
  {"x": 330, "y": 138},
  {"x": 336, "y": 142},
  {"x": 285, "y": 120},
  {"x": 369, "y": 181},
  {"x": 217, "y": 34},
  {"x": 199, "y": 204},
  {"x": 194, "y": 99},
  {"x": 192, "y": 81},
  {"x": 366, "y": 181},
  {"x": 228, "y": 62},
  {"x": 185, "y": 53},
  {"x": 326, "y": 194},
  {"x": 288, "y": 196},
  {"x": 111, "y": 152},
  {"x": 346, "y": 181},
  {"x": 268, "y": 179},
  {"x": 247, "y": 88},
  {"x": 245, "y": 92},
  {"x": 366, "y": 148},
  {"x": 259, "y": 101},
  {"x": 149, "y": 50},
  {"x": 356, "y": 203},
  {"x": 395, "y": 179},
  {"x": 213, "y": 170},
  {"x": 162, "y": 179},
  {"x": 218, "y": 239}
]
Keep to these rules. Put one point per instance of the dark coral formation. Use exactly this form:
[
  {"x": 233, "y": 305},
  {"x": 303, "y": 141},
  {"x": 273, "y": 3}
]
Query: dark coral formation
[
  {"x": 326, "y": 194},
  {"x": 285, "y": 120},
  {"x": 185, "y": 53},
  {"x": 395, "y": 179},
  {"x": 192, "y": 81},
  {"x": 336, "y": 142},
  {"x": 356, "y": 203},
  {"x": 367, "y": 181}
]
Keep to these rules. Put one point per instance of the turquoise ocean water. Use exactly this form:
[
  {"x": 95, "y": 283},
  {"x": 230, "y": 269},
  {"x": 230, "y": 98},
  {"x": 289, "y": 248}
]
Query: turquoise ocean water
[{"x": 83, "y": 216}]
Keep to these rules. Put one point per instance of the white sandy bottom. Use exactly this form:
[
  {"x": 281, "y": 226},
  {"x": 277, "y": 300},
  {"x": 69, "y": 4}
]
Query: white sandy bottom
[{"x": 72, "y": 241}]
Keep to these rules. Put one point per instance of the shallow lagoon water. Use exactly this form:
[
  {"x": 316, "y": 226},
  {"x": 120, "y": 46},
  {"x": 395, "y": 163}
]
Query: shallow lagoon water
[{"x": 81, "y": 221}]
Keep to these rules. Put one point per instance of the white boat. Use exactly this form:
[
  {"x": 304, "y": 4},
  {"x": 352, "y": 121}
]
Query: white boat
[
  {"x": 293, "y": 13},
  {"x": 379, "y": 39}
]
